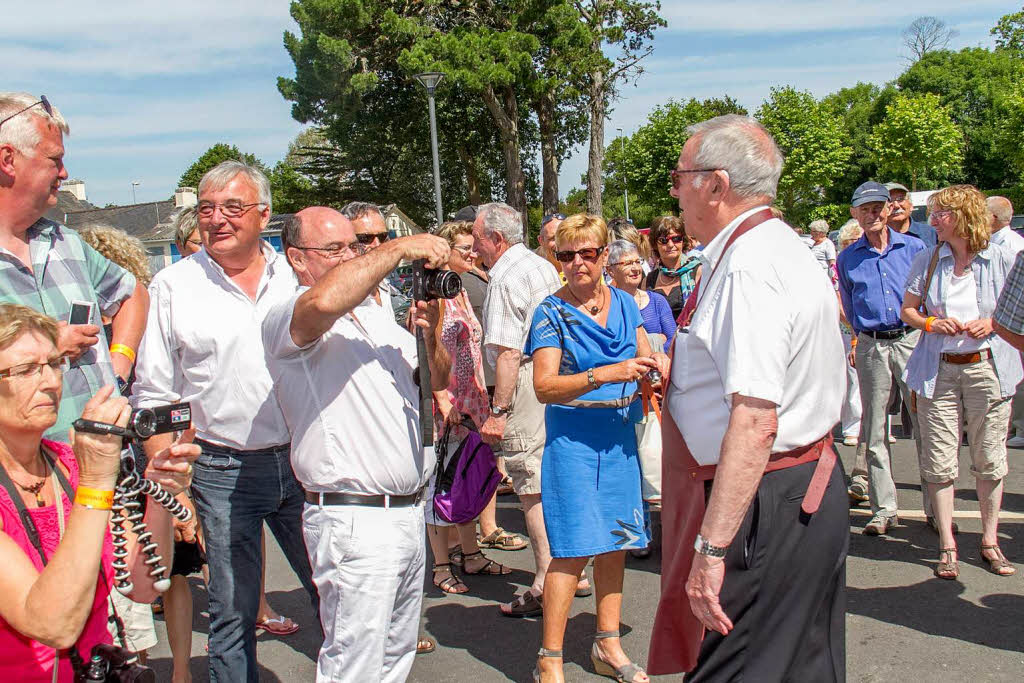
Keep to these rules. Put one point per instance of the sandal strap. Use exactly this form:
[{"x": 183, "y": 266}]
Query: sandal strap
[
  {"x": 451, "y": 582},
  {"x": 478, "y": 553},
  {"x": 442, "y": 565},
  {"x": 544, "y": 652},
  {"x": 601, "y": 635},
  {"x": 629, "y": 671}
]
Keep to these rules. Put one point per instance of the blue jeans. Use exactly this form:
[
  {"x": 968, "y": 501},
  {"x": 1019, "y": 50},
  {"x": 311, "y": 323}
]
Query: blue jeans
[{"x": 235, "y": 491}]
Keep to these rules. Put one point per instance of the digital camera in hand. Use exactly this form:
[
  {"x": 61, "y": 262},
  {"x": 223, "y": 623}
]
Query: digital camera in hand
[
  {"x": 429, "y": 284},
  {"x": 144, "y": 422}
]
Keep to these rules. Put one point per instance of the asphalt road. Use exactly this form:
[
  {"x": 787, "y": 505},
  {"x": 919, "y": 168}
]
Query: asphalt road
[{"x": 902, "y": 623}]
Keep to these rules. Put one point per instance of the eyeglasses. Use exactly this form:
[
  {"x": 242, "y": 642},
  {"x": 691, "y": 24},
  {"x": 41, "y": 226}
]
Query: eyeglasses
[
  {"x": 369, "y": 237},
  {"x": 587, "y": 254},
  {"x": 941, "y": 213},
  {"x": 42, "y": 100},
  {"x": 231, "y": 208},
  {"x": 552, "y": 217},
  {"x": 465, "y": 251},
  {"x": 197, "y": 243},
  {"x": 674, "y": 239},
  {"x": 335, "y": 250},
  {"x": 677, "y": 172},
  {"x": 29, "y": 370},
  {"x": 635, "y": 263}
]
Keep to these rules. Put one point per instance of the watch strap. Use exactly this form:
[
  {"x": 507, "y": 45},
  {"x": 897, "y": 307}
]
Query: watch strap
[{"x": 704, "y": 547}]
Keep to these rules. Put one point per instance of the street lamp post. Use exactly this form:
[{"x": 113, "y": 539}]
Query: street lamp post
[
  {"x": 135, "y": 183},
  {"x": 429, "y": 81},
  {"x": 625, "y": 190}
]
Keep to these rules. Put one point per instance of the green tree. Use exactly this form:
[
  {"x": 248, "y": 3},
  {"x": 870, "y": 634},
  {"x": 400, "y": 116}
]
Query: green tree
[
  {"x": 1008, "y": 138},
  {"x": 1009, "y": 33},
  {"x": 811, "y": 137},
  {"x": 917, "y": 138},
  {"x": 213, "y": 156},
  {"x": 859, "y": 108}
]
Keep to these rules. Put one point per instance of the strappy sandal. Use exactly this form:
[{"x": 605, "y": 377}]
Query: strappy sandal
[
  {"x": 997, "y": 564},
  {"x": 425, "y": 645},
  {"x": 949, "y": 568},
  {"x": 587, "y": 590},
  {"x": 499, "y": 539},
  {"x": 505, "y": 486},
  {"x": 455, "y": 555},
  {"x": 452, "y": 583},
  {"x": 490, "y": 568},
  {"x": 526, "y": 605},
  {"x": 626, "y": 673},
  {"x": 544, "y": 652}
]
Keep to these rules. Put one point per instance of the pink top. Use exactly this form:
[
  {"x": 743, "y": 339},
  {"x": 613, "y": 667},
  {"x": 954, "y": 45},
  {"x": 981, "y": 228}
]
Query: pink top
[
  {"x": 26, "y": 660},
  {"x": 462, "y": 336}
]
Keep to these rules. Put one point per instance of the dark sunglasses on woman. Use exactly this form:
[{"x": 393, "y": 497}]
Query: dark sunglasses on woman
[
  {"x": 587, "y": 254},
  {"x": 674, "y": 239}
]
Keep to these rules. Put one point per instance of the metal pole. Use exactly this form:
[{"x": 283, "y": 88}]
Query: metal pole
[
  {"x": 625, "y": 190},
  {"x": 437, "y": 165},
  {"x": 133, "y": 194}
]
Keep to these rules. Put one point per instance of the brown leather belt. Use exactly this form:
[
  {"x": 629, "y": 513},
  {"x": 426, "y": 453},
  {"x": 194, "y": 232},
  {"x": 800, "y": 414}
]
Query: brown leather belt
[
  {"x": 967, "y": 358},
  {"x": 376, "y": 501}
]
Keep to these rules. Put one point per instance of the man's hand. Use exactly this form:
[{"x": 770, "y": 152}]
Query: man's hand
[
  {"x": 186, "y": 531},
  {"x": 74, "y": 340},
  {"x": 172, "y": 467},
  {"x": 703, "y": 588},
  {"x": 425, "y": 246},
  {"x": 977, "y": 329},
  {"x": 493, "y": 430}
]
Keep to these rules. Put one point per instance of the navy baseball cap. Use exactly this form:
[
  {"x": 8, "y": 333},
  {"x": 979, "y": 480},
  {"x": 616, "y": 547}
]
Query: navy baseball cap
[{"x": 869, "y": 192}]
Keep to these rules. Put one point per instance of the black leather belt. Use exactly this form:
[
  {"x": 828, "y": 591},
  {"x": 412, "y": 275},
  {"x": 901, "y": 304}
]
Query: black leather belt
[
  {"x": 374, "y": 501},
  {"x": 887, "y": 335}
]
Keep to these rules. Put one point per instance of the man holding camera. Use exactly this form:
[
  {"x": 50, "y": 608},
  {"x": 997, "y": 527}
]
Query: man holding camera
[{"x": 346, "y": 377}]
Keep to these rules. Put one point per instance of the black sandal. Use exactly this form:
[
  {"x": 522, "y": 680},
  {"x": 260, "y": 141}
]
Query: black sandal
[
  {"x": 526, "y": 605},
  {"x": 451, "y": 584},
  {"x": 492, "y": 568},
  {"x": 455, "y": 555}
]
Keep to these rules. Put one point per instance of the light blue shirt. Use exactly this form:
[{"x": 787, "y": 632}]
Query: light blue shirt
[{"x": 990, "y": 266}]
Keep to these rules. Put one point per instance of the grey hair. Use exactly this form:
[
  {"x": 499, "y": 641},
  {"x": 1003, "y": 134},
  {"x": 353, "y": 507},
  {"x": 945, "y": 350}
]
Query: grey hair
[
  {"x": 850, "y": 231},
  {"x": 502, "y": 218},
  {"x": 185, "y": 223},
  {"x": 619, "y": 249},
  {"x": 21, "y": 132},
  {"x": 223, "y": 173},
  {"x": 820, "y": 225},
  {"x": 744, "y": 149},
  {"x": 291, "y": 232},
  {"x": 1001, "y": 208},
  {"x": 356, "y": 210}
]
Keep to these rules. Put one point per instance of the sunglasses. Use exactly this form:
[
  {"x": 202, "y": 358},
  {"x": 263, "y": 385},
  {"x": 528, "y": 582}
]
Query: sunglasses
[
  {"x": 369, "y": 237},
  {"x": 674, "y": 239},
  {"x": 42, "y": 100},
  {"x": 678, "y": 172},
  {"x": 587, "y": 254},
  {"x": 552, "y": 217}
]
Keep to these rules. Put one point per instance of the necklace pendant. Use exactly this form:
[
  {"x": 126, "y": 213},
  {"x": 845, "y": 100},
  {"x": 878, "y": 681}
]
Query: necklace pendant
[
  {"x": 594, "y": 310},
  {"x": 39, "y": 501}
]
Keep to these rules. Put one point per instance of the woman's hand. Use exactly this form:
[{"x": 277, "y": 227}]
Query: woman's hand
[
  {"x": 625, "y": 371},
  {"x": 172, "y": 467},
  {"x": 977, "y": 329},
  {"x": 663, "y": 361},
  {"x": 950, "y": 326},
  {"x": 99, "y": 455}
]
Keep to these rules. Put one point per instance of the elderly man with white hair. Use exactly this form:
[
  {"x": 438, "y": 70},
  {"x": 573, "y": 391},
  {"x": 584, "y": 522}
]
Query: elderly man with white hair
[
  {"x": 755, "y": 519},
  {"x": 519, "y": 281},
  {"x": 203, "y": 344}
]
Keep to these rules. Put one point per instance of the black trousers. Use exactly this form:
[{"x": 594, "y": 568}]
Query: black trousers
[{"x": 785, "y": 588}]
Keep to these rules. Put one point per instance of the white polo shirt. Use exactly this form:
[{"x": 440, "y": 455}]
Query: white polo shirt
[
  {"x": 350, "y": 403},
  {"x": 765, "y": 327},
  {"x": 1008, "y": 237}
]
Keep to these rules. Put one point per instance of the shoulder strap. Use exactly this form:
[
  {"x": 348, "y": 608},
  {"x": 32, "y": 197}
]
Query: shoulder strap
[
  {"x": 26, "y": 519},
  {"x": 928, "y": 278}
]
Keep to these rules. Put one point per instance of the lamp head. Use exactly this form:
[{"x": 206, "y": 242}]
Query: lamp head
[{"x": 429, "y": 80}]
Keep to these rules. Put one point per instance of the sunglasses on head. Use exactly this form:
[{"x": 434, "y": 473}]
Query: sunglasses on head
[
  {"x": 551, "y": 217},
  {"x": 42, "y": 100},
  {"x": 369, "y": 237},
  {"x": 674, "y": 239},
  {"x": 587, "y": 254}
]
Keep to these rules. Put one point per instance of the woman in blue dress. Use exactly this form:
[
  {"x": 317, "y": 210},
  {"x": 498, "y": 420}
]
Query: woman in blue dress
[{"x": 589, "y": 351}]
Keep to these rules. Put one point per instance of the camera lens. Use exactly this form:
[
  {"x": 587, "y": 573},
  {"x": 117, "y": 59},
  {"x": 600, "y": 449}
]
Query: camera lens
[
  {"x": 654, "y": 376},
  {"x": 443, "y": 284},
  {"x": 143, "y": 423}
]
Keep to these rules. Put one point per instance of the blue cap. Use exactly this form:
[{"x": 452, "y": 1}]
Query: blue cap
[{"x": 869, "y": 192}]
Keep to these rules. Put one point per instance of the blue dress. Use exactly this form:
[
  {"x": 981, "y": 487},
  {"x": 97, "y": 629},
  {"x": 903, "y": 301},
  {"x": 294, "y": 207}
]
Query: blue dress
[{"x": 590, "y": 473}]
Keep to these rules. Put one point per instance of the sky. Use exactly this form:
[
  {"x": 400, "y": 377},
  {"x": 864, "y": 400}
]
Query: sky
[{"x": 148, "y": 86}]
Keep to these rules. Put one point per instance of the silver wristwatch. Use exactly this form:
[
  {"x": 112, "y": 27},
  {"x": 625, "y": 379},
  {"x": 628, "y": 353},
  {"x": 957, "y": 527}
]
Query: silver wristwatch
[
  {"x": 498, "y": 411},
  {"x": 704, "y": 547}
]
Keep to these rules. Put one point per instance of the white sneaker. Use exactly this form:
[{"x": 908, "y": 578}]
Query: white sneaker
[
  {"x": 891, "y": 439},
  {"x": 849, "y": 441},
  {"x": 1015, "y": 441}
]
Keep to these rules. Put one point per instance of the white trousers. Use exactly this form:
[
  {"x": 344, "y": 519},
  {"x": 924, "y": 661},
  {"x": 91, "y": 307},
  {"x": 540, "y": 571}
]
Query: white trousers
[
  {"x": 368, "y": 568},
  {"x": 851, "y": 411}
]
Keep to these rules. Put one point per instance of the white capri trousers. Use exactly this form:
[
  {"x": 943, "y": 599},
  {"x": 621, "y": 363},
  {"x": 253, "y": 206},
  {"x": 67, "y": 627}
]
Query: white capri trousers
[{"x": 368, "y": 568}]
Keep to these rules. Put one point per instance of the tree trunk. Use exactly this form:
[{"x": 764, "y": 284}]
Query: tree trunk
[
  {"x": 545, "y": 107},
  {"x": 913, "y": 181},
  {"x": 596, "y": 157},
  {"x": 472, "y": 176},
  {"x": 506, "y": 117}
]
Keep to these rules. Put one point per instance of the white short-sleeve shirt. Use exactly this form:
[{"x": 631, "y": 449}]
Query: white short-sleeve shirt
[
  {"x": 350, "y": 402},
  {"x": 1008, "y": 238},
  {"x": 765, "y": 327}
]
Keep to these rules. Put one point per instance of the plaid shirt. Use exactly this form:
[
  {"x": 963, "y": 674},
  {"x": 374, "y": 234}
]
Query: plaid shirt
[
  {"x": 66, "y": 269},
  {"x": 1010, "y": 307}
]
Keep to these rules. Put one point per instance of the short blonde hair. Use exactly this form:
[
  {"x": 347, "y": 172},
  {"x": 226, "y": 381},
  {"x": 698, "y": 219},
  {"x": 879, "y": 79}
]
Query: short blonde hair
[
  {"x": 849, "y": 233},
  {"x": 16, "y": 320},
  {"x": 121, "y": 248},
  {"x": 580, "y": 227},
  {"x": 450, "y": 230},
  {"x": 970, "y": 211}
]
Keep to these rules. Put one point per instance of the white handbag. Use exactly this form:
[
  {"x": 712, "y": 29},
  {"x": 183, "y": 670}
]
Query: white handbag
[{"x": 648, "y": 443}]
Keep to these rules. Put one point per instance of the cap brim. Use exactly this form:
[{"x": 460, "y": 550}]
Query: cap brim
[{"x": 869, "y": 199}]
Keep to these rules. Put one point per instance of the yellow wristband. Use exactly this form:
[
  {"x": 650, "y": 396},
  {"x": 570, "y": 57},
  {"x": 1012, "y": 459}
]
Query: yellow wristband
[
  {"x": 125, "y": 351},
  {"x": 94, "y": 499},
  {"x": 928, "y": 323}
]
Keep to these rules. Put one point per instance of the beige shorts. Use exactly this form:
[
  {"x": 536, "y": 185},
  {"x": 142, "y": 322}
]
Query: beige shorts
[
  {"x": 976, "y": 387},
  {"x": 139, "y": 630},
  {"x": 523, "y": 444}
]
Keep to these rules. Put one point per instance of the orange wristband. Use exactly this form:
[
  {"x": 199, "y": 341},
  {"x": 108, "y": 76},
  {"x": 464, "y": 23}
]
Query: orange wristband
[
  {"x": 125, "y": 351},
  {"x": 94, "y": 499},
  {"x": 928, "y": 323}
]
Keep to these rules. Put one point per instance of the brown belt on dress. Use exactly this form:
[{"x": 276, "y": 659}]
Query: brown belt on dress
[{"x": 967, "y": 358}]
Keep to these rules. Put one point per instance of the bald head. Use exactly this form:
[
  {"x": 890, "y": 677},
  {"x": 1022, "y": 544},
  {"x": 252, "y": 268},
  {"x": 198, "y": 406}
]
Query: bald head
[
  {"x": 309, "y": 237},
  {"x": 1001, "y": 210}
]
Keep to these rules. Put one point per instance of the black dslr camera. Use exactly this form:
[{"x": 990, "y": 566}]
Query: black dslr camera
[{"x": 429, "y": 284}]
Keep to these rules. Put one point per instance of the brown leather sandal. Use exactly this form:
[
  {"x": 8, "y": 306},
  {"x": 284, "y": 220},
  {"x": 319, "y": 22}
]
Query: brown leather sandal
[
  {"x": 451, "y": 584},
  {"x": 998, "y": 564},
  {"x": 489, "y": 568},
  {"x": 949, "y": 568}
]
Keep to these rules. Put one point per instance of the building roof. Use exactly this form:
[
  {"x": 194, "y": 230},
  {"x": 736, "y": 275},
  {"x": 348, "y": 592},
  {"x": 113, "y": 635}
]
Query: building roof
[
  {"x": 67, "y": 203},
  {"x": 148, "y": 221}
]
